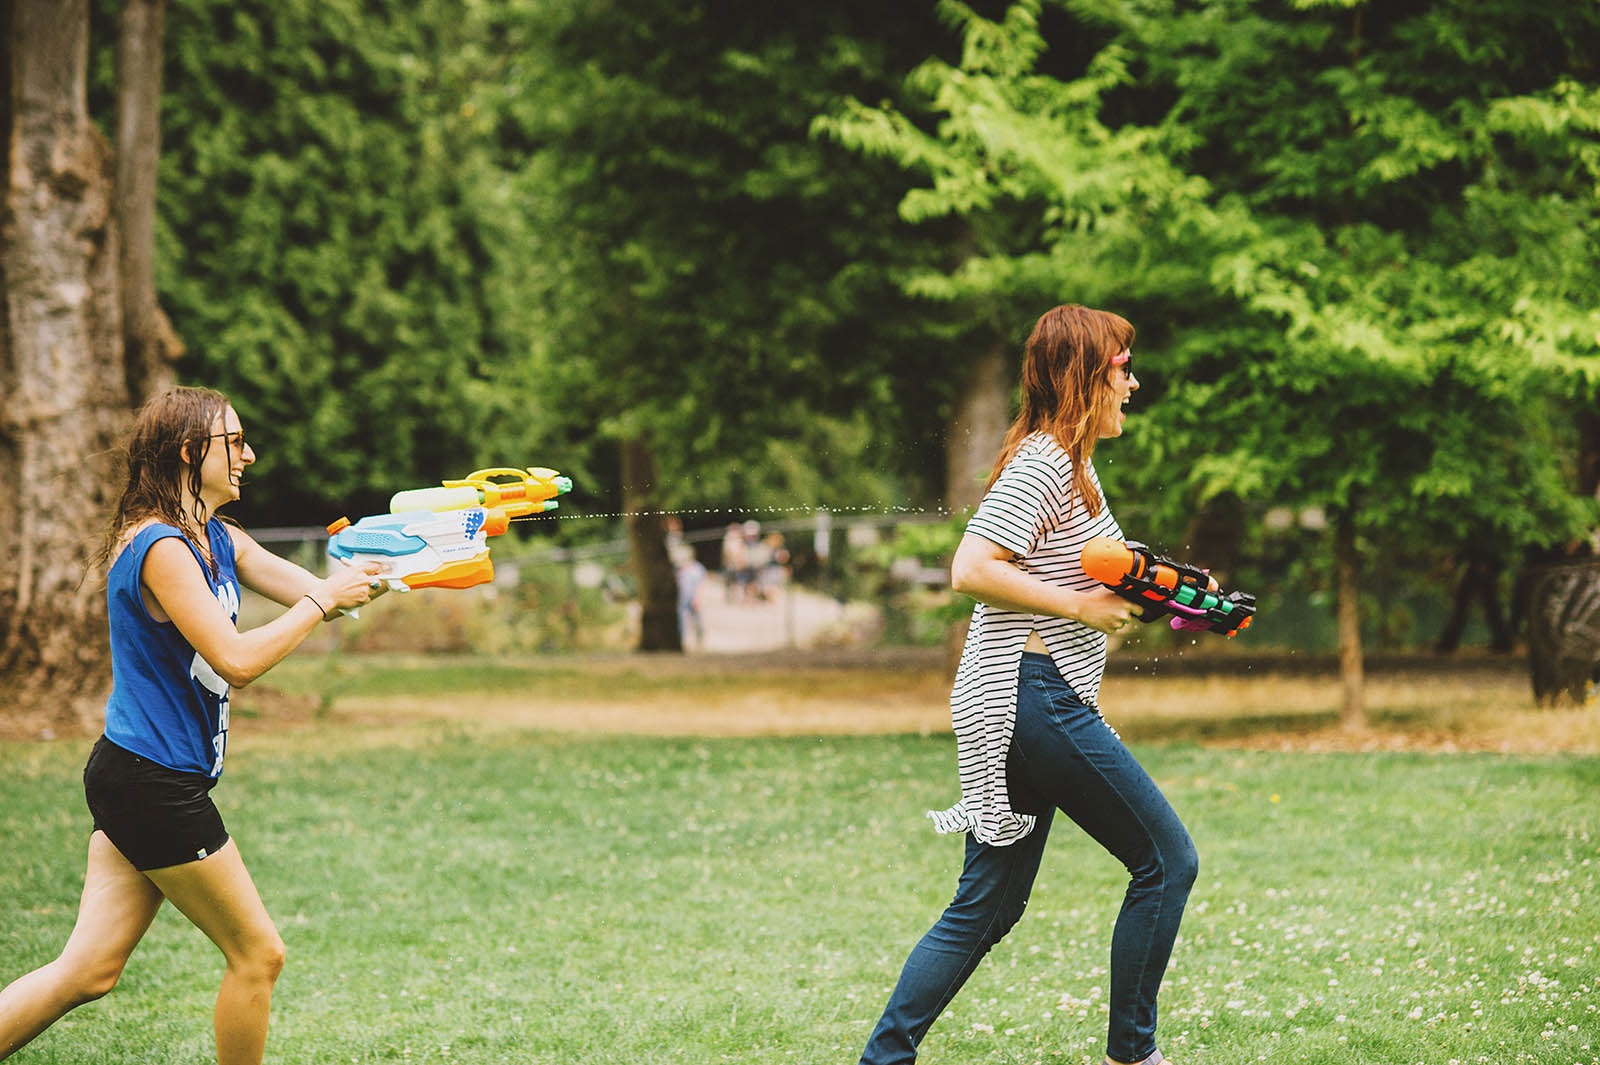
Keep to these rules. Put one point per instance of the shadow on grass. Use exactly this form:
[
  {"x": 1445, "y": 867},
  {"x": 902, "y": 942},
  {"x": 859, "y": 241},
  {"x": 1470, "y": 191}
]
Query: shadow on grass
[{"x": 1202, "y": 728}]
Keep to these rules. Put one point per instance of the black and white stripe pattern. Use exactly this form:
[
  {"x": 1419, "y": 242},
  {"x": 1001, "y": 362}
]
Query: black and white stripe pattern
[{"x": 1025, "y": 512}]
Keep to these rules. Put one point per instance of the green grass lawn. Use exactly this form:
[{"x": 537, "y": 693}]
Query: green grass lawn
[{"x": 520, "y": 897}]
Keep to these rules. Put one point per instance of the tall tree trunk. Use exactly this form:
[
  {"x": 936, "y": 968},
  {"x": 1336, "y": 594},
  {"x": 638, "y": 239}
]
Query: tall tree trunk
[
  {"x": 63, "y": 389},
  {"x": 1347, "y": 565},
  {"x": 151, "y": 345},
  {"x": 1501, "y": 638},
  {"x": 1589, "y": 449},
  {"x": 1479, "y": 580},
  {"x": 977, "y": 427},
  {"x": 647, "y": 545},
  {"x": 1455, "y": 623},
  {"x": 1214, "y": 536}
]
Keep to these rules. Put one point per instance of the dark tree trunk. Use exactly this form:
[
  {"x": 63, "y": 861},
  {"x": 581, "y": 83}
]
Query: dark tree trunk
[
  {"x": 1501, "y": 637},
  {"x": 151, "y": 345},
  {"x": 1347, "y": 566},
  {"x": 1456, "y": 622},
  {"x": 1213, "y": 538},
  {"x": 647, "y": 545},
  {"x": 1480, "y": 581},
  {"x": 1589, "y": 450},
  {"x": 977, "y": 427},
  {"x": 64, "y": 401}
]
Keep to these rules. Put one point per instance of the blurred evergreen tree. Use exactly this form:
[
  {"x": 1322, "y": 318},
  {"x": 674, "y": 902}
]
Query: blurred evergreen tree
[
  {"x": 723, "y": 288},
  {"x": 337, "y": 245}
]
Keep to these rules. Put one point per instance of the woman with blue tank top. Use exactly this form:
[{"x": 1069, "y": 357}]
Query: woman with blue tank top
[
  {"x": 1030, "y": 740},
  {"x": 176, "y": 652}
]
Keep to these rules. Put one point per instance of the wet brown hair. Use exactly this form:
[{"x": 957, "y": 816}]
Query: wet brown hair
[
  {"x": 168, "y": 425},
  {"x": 1066, "y": 386}
]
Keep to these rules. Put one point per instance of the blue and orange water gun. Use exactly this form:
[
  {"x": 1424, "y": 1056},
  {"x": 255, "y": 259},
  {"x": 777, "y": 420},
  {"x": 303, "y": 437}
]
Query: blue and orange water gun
[
  {"x": 437, "y": 537},
  {"x": 1162, "y": 587}
]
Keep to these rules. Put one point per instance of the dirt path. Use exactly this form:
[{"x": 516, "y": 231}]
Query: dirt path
[
  {"x": 830, "y": 690},
  {"x": 852, "y": 693}
]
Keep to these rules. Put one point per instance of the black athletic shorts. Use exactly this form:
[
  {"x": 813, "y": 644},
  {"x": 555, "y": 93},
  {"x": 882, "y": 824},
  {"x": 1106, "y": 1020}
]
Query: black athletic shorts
[{"x": 154, "y": 815}]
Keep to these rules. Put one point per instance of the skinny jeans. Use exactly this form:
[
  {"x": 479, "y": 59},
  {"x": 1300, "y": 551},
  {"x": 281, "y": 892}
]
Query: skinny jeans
[{"x": 1063, "y": 756}]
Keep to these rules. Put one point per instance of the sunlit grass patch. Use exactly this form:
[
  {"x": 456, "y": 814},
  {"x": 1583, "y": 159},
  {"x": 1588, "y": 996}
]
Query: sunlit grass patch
[{"x": 1435, "y": 710}]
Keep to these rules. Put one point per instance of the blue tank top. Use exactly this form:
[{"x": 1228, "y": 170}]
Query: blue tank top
[{"x": 167, "y": 704}]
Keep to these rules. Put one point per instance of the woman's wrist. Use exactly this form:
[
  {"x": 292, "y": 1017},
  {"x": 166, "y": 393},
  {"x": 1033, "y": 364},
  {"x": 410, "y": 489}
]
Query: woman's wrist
[
  {"x": 316, "y": 603},
  {"x": 1071, "y": 606}
]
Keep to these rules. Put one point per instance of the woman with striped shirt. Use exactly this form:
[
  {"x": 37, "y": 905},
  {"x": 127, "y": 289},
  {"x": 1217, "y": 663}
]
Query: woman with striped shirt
[{"x": 1029, "y": 737}]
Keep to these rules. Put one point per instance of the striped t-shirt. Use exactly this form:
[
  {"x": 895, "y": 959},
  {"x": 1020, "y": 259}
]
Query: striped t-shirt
[{"x": 1027, "y": 513}]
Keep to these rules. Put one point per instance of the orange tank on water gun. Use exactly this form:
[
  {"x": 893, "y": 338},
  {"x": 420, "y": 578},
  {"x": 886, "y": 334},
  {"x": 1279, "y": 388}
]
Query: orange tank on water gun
[{"x": 1164, "y": 587}]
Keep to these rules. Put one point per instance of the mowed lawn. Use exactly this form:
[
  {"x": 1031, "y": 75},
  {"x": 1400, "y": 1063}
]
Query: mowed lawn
[{"x": 457, "y": 894}]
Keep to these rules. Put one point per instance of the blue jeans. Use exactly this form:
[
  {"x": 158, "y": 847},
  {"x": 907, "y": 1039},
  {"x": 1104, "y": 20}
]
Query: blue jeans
[{"x": 1063, "y": 755}]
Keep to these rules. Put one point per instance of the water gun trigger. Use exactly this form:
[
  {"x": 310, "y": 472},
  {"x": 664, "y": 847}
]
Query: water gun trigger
[{"x": 1150, "y": 611}]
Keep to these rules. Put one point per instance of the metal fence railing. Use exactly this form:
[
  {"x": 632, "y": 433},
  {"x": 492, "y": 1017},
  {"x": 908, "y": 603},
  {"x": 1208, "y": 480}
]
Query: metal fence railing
[{"x": 803, "y": 580}]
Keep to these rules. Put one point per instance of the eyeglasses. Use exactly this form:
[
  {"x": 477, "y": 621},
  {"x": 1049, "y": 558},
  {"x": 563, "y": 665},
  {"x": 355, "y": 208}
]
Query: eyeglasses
[
  {"x": 1125, "y": 360},
  {"x": 235, "y": 440}
]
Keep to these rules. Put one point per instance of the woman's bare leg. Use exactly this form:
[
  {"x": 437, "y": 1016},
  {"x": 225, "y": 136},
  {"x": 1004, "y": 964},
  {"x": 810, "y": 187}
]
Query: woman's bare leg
[
  {"x": 217, "y": 894},
  {"x": 118, "y": 904}
]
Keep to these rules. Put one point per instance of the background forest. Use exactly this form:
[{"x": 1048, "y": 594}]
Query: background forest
[{"x": 728, "y": 257}]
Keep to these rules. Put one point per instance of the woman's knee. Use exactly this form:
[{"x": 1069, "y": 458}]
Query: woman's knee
[
  {"x": 1007, "y": 919},
  {"x": 1002, "y": 918},
  {"x": 978, "y": 923},
  {"x": 1183, "y": 866},
  {"x": 273, "y": 955},
  {"x": 85, "y": 981},
  {"x": 262, "y": 960},
  {"x": 1169, "y": 865}
]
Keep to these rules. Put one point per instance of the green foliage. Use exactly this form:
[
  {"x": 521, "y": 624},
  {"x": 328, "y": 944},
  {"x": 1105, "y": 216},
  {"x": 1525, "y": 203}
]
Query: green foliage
[
  {"x": 1357, "y": 241},
  {"x": 410, "y": 240},
  {"x": 730, "y": 281},
  {"x": 339, "y": 247},
  {"x": 1352, "y": 238}
]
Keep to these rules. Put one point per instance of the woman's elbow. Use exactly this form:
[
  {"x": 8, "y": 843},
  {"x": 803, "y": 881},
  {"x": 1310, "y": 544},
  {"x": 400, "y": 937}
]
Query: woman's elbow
[
  {"x": 963, "y": 576},
  {"x": 236, "y": 674}
]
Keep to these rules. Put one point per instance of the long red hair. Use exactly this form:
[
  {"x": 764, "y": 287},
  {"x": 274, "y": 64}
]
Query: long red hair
[{"x": 1066, "y": 386}]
